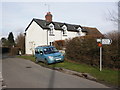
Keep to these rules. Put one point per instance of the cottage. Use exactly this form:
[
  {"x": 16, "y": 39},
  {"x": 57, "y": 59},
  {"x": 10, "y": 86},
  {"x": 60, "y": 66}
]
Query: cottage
[{"x": 45, "y": 32}]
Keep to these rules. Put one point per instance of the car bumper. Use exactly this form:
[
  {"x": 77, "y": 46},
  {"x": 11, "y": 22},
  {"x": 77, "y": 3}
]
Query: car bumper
[{"x": 56, "y": 61}]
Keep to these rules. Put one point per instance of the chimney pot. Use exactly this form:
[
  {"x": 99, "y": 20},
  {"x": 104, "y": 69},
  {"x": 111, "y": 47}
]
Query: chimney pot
[{"x": 48, "y": 17}]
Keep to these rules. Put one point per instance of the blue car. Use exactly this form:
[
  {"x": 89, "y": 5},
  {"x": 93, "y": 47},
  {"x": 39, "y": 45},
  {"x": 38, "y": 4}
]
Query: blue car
[{"x": 48, "y": 54}]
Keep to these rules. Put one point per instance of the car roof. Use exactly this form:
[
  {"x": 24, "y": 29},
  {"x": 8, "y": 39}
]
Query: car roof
[{"x": 45, "y": 46}]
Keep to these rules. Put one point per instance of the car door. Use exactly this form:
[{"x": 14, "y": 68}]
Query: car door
[
  {"x": 41, "y": 56},
  {"x": 37, "y": 54}
]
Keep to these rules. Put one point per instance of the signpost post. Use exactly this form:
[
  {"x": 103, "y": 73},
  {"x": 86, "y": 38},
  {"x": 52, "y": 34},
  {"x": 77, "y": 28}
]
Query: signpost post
[
  {"x": 100, "y": 58},
  {"x": 100, "y": 43}
]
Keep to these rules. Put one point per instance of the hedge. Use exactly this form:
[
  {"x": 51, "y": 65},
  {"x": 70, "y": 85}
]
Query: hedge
[{"x": 85, "y": 50}]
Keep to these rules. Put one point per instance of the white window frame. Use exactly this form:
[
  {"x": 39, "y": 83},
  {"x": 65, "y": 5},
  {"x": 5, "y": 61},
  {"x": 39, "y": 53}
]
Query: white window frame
[
  {"x": 51, "y": 32},
  {"x": 79, "y": 31},
  {"x": 64, "y": 27}
]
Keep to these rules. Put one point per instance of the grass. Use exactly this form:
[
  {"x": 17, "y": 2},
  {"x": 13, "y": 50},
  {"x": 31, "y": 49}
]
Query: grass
[{"x": 108, "y": 76}]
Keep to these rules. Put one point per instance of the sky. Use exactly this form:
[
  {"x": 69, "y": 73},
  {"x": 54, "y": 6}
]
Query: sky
[{"x": 15, "y": 16}]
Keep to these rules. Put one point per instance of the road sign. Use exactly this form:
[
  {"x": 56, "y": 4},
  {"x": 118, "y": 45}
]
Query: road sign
[
  {"x": 98, "y": 40},
  {"x": 100, "y": 43},
  {"x": 106, "y": 41}
]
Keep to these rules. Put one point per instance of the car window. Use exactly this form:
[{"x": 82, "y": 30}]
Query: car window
[
  {"x": 37, "y": 51},
  {"x": 50, "y": 50}
]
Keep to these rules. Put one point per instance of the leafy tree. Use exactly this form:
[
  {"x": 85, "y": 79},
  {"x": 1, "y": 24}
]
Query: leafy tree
[
  {"x": 11, "y": 41},
  {"x": 20, "y": 42},
  {"x": 111, "y": 52},
  {"x": 4, "y": 41}
]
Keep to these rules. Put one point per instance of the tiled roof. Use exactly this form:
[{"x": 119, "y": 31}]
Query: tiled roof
[
  {"x": 70, "y": 27},
  {"x": 58, "y": 25},
  {"x": 92, "y": 31}
]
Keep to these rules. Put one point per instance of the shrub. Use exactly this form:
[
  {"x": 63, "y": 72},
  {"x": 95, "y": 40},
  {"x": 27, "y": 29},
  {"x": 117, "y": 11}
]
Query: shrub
[
  {"x": 84, "y": 49},
  {"x": 59, "y": 44},
  {"x": 111, "y": 52},
  {"x": 14, "y": 51},
  {"x": 20, "y": 42}
]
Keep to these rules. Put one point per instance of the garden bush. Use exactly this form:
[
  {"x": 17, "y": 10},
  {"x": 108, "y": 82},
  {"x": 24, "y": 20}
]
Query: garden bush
[
  {"x": 85, "y": 50},
  {"x": 59, "y": 44}
]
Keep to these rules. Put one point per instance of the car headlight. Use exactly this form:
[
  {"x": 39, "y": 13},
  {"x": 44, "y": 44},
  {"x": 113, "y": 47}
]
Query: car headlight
[
  {"x": 62, "y": 54},
  {"x": 50, "y": 57}
]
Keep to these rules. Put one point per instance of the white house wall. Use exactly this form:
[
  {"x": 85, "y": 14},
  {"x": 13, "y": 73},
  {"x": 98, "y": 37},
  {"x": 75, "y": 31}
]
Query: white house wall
[
  {"x": 82, "y": 33},
  {"x": 58, "y": 35},
  {"x": 72, "y": 34},
  {"x": 35, "y": 36}
]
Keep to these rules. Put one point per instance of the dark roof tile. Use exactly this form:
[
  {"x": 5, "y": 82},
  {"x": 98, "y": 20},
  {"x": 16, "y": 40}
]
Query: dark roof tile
[
  {"x": 92, "y": 31},
  {"x": 70, "y": 27}
]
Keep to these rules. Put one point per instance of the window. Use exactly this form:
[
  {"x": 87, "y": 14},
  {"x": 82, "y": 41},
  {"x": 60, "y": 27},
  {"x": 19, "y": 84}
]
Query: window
[
  {"x": 36, "y": 51},
  {"x": 51, "y": 43},
  {"x": 51, "y": 32},
  {"x": 79, "y": 31},
  {"x": 50, "y": 50},
  {"x": 51, "y": 26},
  {"x": 64, "y": 30}
]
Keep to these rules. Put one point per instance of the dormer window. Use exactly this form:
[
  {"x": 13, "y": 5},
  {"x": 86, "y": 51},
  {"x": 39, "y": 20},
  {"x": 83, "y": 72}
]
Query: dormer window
[
  {"x": 79, "y": 31},
  {"x": 51, "y": 26},
  {"x": 64, "y": 27}
]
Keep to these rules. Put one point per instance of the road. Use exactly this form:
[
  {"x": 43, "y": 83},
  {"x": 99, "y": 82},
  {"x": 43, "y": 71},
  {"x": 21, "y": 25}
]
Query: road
[
  {"x": 0, "y": 70},
  {"x": 21, "y": 73}
]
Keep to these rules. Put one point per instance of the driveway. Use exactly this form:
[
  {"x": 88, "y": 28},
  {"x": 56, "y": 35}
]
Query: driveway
[{"x": 21, "y": 73}]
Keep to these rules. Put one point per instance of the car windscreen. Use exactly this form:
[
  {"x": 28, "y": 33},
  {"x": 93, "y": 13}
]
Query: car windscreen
[{"x": 50, "y": 50}]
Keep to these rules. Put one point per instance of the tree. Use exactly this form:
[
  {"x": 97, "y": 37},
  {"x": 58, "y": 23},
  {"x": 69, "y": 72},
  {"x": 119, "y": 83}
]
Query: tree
[
  {"x": 11, "y": 41},
  {"x": 20, "y": 42},
  {"x": 114, "y": 16},
  {"x": 4, "y": 41},
  {"x": 111, "y": 52}
]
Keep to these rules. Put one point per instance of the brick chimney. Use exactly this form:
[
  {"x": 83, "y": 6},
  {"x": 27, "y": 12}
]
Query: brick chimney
[{"x": 48, "y": 17}]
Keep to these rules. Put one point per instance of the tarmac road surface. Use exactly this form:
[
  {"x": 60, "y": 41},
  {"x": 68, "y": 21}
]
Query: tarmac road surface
[{"x": 21, "y": 73}]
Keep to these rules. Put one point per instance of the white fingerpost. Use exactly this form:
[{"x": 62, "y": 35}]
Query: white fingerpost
[
  {"x": 100, "y": 43},
  {"x": 100, "y": 58}
]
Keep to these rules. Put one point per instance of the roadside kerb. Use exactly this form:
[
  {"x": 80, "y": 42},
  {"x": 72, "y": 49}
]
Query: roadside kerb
[
  {"x": 84, "y": 75},
  {"x": 79, "y": 74},
  {"x": 2, "y": 84},
  {"x": 1, "y": 80}
]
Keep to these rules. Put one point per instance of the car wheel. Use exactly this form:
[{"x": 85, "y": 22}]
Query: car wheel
[
  {"x": 36, "y": 60},
  {"x": 46, "y": 62}
]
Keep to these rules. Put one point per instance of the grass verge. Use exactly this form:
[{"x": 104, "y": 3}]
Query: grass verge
[{"x": 108, "y": 76}]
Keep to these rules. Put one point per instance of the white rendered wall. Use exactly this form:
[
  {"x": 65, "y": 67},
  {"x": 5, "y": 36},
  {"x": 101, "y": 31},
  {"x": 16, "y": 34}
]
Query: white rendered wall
[
  {"x": 69, "y": 35},
  {"x": 35, "y": 36},
  {"x": 82, "y": 33},
  {"x": 58, "y": 35}
]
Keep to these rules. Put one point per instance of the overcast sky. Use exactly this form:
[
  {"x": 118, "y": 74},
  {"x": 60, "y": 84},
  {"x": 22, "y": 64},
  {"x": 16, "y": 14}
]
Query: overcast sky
[{"x": 17, "y": 15}]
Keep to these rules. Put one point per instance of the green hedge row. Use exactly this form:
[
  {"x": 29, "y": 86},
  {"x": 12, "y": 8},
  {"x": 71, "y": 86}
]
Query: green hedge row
[{"x": 85, "y": 50}]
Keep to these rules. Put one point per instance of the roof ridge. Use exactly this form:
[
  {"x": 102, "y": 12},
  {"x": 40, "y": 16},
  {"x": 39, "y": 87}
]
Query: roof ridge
[{"x": 58, "y": 22}]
